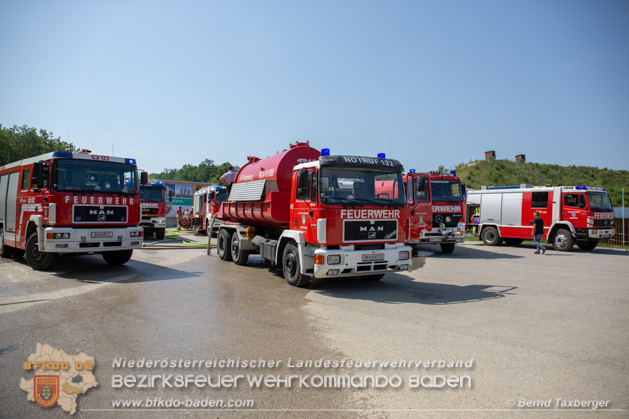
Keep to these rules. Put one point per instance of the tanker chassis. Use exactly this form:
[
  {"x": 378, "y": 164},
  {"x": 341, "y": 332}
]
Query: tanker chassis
[{"x": 316, "y": 216}]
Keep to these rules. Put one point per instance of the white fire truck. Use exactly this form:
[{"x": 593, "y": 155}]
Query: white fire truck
[
  {"x": 64, "y": 202},
  {"x": 571, "y": 214}
]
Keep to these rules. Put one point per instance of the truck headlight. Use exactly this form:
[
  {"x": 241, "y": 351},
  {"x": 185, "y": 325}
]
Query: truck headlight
[
  {"x": 334, "y": 259},
  {"x": 136, "y": 233},
  {"x": 403, "y": 255},
  {"x": 65, "y": 236},
  {"x": 448, "y": 219}
]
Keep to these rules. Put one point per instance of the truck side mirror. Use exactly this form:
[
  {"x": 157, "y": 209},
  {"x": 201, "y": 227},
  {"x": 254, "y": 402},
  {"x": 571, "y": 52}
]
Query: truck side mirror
[
  {"x": 144, "y": 178},
  {"x": 171, "y": 193},
  {"x": 463, "y": 191},
  {"x": 38, "y": 174},
  {"x": 410, "y": 191}
]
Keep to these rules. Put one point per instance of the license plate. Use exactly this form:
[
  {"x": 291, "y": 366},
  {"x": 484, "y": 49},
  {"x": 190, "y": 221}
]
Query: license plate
[
  {"x": 377, "y": 256},
  {"x": 102, "y": 234}
]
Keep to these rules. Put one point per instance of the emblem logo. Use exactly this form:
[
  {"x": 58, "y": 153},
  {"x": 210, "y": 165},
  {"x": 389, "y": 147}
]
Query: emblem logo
[
  {"x": 46, "y": 389},
  {"x": 439, "y": 218}
]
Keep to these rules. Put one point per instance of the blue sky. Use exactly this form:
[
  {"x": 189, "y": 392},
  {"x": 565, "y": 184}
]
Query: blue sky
[{"x": 427, "y": 82}]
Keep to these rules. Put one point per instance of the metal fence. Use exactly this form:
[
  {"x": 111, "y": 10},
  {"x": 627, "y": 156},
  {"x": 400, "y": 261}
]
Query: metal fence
[{"x": 618, "y": 238}]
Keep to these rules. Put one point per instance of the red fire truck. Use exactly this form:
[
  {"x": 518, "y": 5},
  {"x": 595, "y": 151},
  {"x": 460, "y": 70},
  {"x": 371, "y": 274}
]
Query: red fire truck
[
  {"x": 316, "y": 216},
  {"x": 63, "y": 202},
  {"x": 205, "y": 205},
  {"x": 153, "y": 197},
  {"x": 436, "y": 204},
  {"x": 571, "y": 214}
]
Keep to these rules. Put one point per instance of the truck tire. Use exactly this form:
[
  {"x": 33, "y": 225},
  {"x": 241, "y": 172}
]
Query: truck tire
[
  {"x": 376, "y": 277},
  {"x": 160, "y": 233},
  {"x": 239, "y": 256},
  {"x": 447, "y": 247},
  {"x": 291, "y": 266},
  {"x": 119, "y": 257},
  {"x": 490, "y": 237},
  {"x": 40, "y": 261},
  {"x": 223, "y": 245},
  {"x": 588, "y": 245},
  {"x": 5, "y": 251},
  {"x": 513, "y": 242},
  {"x": 563, "y": 240},
  {"x": 148, "y": 233}
]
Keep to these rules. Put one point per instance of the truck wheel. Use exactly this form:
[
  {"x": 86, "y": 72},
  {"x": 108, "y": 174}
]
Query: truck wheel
[
  {"x": 447, "y": 247},
  {"x": 5, "y": 251},
  {"x": 377, "y": 277},
  {"x": 513, "y": 242},
  {"x": 563, "y": 240},
  {"x": 223, "y": 245},
  {"x": 160, "y": 233},
  {"x": 119, "y": 257},
  {"x": 588, "y": 245},
  {"x": 490, "y": 237},
  {"x": 40, "y": 261},
  {"x": 291, "y": 266},
  {"x": 148, "y": 233},
  {"x": 239, "y": 256}
]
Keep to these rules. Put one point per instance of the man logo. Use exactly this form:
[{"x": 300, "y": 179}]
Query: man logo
[
  {"x": 372, "y": 235},
  {"x": 46, "y": 389},
  {"x": 102, "y": 218}
]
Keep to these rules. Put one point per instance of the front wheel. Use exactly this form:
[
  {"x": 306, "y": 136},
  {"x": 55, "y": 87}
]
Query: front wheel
[
  {"x": 490, "y": 236},
  {"x": 160, "y": 233},
  {"x": 40, "y": 261},
  {"x": 291, "y": 266},
  {"x": 563, "y": 240},
  {"x": 119, "y": 257},
  {"x": 588, "y": 245},
  {"x": 447, "y": 247},
  {"x": 223, "y": 245},
  {"x": 239, "y": 256}
]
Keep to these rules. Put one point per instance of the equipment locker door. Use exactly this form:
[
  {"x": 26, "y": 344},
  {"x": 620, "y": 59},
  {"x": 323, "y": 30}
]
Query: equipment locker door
[{"x": 8, "y": 213}]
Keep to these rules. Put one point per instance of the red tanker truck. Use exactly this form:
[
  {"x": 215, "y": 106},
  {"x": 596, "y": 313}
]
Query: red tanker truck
[{"x": 316, "y": 216}]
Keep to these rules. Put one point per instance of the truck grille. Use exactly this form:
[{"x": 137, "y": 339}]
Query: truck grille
[
  {"x": 99, "y": 214},
  {"x": 438, "y": 219},
  {"x": 149, "y": 211},
  {"x": 603, "y": 223},
  {"x": 369, "y": 230}
]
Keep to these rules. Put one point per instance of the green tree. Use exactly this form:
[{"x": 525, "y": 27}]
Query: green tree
[{"x": 19, "y": 143}]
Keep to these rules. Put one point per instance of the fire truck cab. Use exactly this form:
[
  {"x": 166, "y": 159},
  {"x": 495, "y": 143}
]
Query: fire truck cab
[
  {"x": 64, "y": 202},
  {"x": 205, "y": 205},
  {"x": 571, "y": 214}
]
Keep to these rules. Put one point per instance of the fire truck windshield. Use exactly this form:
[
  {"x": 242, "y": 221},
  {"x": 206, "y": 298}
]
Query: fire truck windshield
[
  {"x": 446, "y": 190},
  {"x": 342, "y": 186},
  {"x": 221, "y": 196},
  {"x": 152, "y": 194},
  {"x": 94, "y": 176},
  {"x": 599, "y": 202}
]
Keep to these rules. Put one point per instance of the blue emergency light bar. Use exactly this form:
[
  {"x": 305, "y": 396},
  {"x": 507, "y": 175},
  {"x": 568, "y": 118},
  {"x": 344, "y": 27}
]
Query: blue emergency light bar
[
  {"x": 129, "y": 161},
  {"x": 452, "y": 172},
  {"x": 583, "y": 188},
  {"x": 159, "y": 182},
  {"x": 382, "y": 156},
  {"x": 412, "y": 171},
  {"x": 61, "y": 154},
  {"x": 325, "y": 151}
]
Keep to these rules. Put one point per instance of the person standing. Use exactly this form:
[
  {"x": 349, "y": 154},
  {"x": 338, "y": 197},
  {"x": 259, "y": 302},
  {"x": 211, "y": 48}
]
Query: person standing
[
  {"x": 228, "y": 178},
  {"x": 538, "y": 233},
  {"x": 179, "y": 218}
]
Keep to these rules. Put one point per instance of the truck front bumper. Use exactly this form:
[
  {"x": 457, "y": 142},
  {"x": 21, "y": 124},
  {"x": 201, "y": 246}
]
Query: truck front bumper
[
  {"x": 153, "y": 222},
  {"x": 601, "y": 233},
  {"x": 394, "y": 257},
  {"x": 442, "y": 235},
  {"x": 88, "y": 240}
]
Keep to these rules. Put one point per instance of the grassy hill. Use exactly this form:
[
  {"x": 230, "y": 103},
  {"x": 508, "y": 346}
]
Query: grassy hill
[{"x": 505, "y": 172}]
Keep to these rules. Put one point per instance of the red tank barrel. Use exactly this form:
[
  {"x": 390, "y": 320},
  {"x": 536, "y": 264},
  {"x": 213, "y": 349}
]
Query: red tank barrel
[{"x": 261, "y": 192}]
